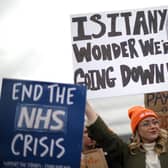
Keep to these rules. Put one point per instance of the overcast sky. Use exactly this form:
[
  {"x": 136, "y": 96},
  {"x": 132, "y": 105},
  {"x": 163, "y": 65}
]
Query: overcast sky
[{"x": 35, "y": 35}]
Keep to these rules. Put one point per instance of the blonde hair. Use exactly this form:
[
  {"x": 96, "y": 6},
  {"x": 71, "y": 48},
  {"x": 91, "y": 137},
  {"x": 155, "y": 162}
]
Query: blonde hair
[{"x": 160, "y": 146}]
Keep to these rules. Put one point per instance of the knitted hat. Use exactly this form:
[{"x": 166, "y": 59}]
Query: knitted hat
[{"x": 138, "y": 113}]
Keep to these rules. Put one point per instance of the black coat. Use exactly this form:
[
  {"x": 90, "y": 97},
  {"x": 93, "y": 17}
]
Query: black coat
[{"x": 118, "y": 152}]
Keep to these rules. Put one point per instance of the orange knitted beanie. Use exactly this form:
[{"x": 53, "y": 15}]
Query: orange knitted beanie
[{"x": 138, "y": 113}]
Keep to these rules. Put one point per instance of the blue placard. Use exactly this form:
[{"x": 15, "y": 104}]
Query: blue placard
[{"x": 41, "y": 124}]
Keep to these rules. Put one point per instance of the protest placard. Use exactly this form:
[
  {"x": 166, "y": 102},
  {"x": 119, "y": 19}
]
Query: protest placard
[
  {"x": 159, "y": 103},
  {"x": 121, "y": 52},
  {"x": 94, "y": 158},
  {"x": 41, "y": 124}
]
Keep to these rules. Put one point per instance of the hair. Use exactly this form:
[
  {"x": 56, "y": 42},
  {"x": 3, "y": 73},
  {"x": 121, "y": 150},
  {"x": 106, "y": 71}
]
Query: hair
[{"x": 160, "y": 146}]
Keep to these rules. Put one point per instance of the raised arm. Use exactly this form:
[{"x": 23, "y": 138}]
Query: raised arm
[
  {"x": 90, "y": 113},
  {"x": 104, "y": 137}
]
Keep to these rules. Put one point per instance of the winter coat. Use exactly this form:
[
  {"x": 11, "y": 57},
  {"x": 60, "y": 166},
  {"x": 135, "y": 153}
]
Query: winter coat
[{"x": 117, "y": 149}]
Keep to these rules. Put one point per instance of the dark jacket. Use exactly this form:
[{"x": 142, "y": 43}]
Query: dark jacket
[{"x": 117, "y": 149}]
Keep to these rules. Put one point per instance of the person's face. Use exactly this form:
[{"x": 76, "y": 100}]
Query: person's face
[
  {"x": 149, "y": 129},
  {"x": 88, "y": 143}
]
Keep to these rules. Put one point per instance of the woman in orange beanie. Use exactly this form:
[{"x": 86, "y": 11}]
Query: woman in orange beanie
[{"x": 148, "y": 147}]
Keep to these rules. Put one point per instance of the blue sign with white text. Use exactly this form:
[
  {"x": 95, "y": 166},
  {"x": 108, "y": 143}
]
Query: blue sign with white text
[{"x": 41, "y": 124}]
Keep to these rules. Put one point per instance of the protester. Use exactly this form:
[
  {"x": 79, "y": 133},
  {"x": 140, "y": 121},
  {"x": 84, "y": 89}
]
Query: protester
[
  {"x": 88, "y": 143},
  {"x": 91, "y": 147},
  {"x": 148, "y": 147}
]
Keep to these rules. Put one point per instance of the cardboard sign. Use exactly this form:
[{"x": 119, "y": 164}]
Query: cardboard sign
[
  {"x": 121, "y": 52},
  {"x": 41, "y": 124},
  {"x": 159, "y": 103},
  {"x": 94, "y": 158}
]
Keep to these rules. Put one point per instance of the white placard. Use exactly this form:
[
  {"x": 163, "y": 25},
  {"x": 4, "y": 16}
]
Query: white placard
[{"x": 121, "y": 52}]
